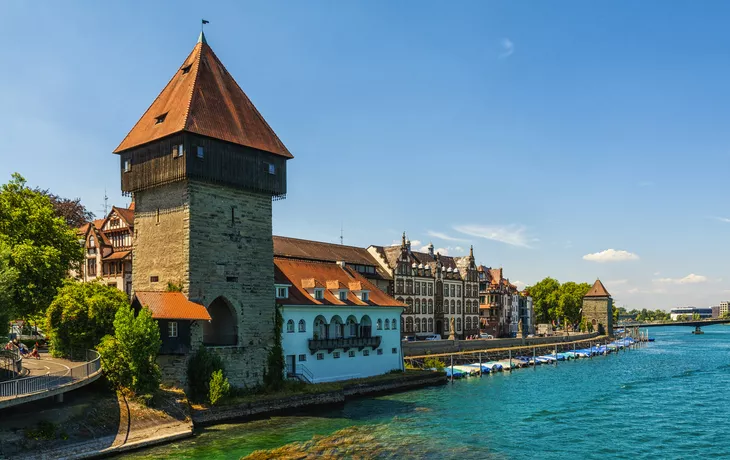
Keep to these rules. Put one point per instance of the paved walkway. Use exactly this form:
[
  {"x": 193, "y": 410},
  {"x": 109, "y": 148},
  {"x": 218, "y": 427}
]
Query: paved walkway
[{"x": 47, "y": 364}]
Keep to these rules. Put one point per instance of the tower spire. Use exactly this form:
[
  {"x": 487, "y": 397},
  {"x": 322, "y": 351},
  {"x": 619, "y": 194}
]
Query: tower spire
[{"x": 201, "y": 37}]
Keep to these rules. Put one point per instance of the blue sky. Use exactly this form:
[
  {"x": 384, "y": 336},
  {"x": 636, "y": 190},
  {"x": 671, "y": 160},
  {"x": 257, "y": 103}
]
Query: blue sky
[{"x": 539, "y": 132}]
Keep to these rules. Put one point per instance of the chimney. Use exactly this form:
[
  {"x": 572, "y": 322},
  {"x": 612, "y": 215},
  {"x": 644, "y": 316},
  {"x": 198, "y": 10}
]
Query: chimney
[{"x": 341, "y": 263}]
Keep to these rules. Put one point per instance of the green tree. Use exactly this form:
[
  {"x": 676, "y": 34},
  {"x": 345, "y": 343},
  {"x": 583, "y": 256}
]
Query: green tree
[
  {"x": 129, "y": 358},
  {"x": 219, "y": 387},
  {"x": 72, "y": 211},
  {"x": 570, "y": 300},
  {"x": 81, "y": 315},
  {"x": 274, "y": 372},
  {"x": 42, "y": 247},
  {"x": 545, "y": 299},
  {"x": 201, "y": 367},
  {"x": 8, "y": 278}
]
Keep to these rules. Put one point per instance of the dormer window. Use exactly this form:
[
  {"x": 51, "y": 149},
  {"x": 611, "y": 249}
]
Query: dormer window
[
  {"x": 186, "y": 69},
  {"x": 365, "y": 296},
  {"x": 282, "y": 292},
  {"x": 343, "y": 295},
  {"x": 160, "y": 118},
  {"x": 319, "y": 294}
]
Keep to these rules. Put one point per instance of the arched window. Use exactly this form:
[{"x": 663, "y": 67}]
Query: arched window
[
  {"x": 458, "y": 307},
  {"x": 409, "y": 302},
  {"x": 366, "y": 327},
  {"x": 336, "y": 328},
  {"x": 467, "y": 323},
  {"x": 453, "y": 307},
  {"x": 351, "y": 327},
  {"x": 418, "y": 306},
  {"x": 430, "y": 306},
  {"x": 302, "y": 326},
  {"x": 290, "y": 326},
  {"x": 430, "y": 324},
  {"x": 321, "y": 330},
  {"x": 458, "y": 324},
  {"x": 409, "y": 324},
  {"x": 394, "y": 325},
  {"x": 222, "y": 329},
  {"x": 402, "y": 325},
  {"x": 409, "y": 286},
  {"x": 387, "y": 324},
  {"x": 418, "y": 326},
  {"x": 424, "y": 325},
  {"x": 379, "y": 324},
  {"x": 446, "y": 326}
]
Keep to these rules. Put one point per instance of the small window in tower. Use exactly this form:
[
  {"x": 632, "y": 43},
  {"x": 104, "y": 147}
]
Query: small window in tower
[
  {"x": 154, "y": 279},
  {"x": 186, "y": 69},
  {"x": 127, "y": 165},
  {"x": 160, "y": 118},
  {"x": 177, "y": 150},
  {"x": 272, "y": 168},
  {"x": 232, "y": 279},
  {"x": 233, "y": 215},
  {"x": 201, "y": 152}
]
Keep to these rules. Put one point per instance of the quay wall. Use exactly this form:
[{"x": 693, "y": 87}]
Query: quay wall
[
  {"x": 268, "y": 407},
  {"x": 427, "y": 347}
]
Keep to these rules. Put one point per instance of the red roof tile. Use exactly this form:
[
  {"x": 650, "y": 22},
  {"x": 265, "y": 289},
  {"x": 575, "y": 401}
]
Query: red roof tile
[
  {"x": 597, "y": 290},
  {"x": 203, "y": 98},
  {"x": 118, "y": 255},
  {"x": 171, "y": 305},
  {"x": 125, "y": 213},
  {"x": 297, "y": 272}
]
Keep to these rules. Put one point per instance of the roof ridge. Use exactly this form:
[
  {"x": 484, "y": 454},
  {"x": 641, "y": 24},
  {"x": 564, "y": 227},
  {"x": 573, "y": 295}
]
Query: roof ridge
[
  {"x": 320, "y": 242},
  {"x": 197, "y": 63}
]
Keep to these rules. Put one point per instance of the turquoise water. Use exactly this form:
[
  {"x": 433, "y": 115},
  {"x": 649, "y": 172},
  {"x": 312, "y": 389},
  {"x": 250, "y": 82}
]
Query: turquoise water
[{"x": 669, "y": 399}]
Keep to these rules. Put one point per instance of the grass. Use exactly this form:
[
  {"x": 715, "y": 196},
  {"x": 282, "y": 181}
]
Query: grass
[{"x": 297, "y": 388}]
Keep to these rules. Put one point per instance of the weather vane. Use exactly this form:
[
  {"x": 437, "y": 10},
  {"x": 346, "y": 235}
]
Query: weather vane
[{"x": 203, "y": 22}]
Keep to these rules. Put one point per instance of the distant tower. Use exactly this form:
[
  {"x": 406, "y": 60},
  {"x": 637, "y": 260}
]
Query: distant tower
[
  {"x": 203, "y": 166},
  {"x": 598, "y": 308}
]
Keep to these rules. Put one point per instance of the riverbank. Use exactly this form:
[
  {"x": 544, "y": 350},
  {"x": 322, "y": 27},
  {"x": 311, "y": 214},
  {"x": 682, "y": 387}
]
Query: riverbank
[
  {"x": 427, "y": 347},
  {"x": 313, "y": 396}
]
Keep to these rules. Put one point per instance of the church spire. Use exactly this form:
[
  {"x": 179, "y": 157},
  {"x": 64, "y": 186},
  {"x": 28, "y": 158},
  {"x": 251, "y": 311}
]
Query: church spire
[{"x": 201, "y": 38}]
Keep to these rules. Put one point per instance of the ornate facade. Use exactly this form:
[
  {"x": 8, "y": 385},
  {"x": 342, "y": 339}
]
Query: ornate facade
[
  {"x": 504, "y": 310},
  {"x": 441, "y": 292}
]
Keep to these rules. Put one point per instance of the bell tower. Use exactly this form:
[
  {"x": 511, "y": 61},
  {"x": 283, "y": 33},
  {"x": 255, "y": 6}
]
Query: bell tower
[{"x": 203, "y": 166}]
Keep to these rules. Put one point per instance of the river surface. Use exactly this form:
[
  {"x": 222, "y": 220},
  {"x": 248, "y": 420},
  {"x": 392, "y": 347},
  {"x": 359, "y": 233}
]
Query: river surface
[{"x": 668, "y": 399}]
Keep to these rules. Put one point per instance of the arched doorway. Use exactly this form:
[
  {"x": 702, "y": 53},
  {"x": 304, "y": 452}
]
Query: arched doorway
[{"x": 222, "y": 329}]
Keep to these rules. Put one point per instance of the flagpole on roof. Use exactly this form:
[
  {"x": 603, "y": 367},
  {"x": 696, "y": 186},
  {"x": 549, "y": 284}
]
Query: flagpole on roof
[{"x": 202, "y": 39}]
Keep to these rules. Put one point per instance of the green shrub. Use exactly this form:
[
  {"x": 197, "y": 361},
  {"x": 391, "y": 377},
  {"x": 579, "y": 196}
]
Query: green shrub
[
  {"x": 219, "y": 387},
  {"x": 201, "y": 367},
  {"x": 274, "y": 372},
  {"x": 433, "y": 363},
  {"x": 129, "y": 358}
]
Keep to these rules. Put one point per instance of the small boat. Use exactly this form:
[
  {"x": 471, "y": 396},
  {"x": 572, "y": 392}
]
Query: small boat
[{"x": 494, "y": 366}]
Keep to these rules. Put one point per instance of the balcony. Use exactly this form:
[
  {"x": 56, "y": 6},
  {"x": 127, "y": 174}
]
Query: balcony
[{"x": 345, "y": 344}]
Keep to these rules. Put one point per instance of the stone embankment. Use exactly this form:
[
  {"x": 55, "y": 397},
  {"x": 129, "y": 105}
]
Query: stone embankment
[
  {"x": 265, "y": 407},
  {"x": 428, "y": 347}
]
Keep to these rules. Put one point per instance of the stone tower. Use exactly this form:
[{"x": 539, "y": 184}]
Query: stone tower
[
  {"x": 203, "y": 166},
  {"x": 598, "y": 308}
]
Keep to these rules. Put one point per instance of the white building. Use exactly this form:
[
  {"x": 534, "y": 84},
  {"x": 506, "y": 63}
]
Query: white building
[
  {"x": 724, "y": 307},
  {"x": 337, "y": 325}
]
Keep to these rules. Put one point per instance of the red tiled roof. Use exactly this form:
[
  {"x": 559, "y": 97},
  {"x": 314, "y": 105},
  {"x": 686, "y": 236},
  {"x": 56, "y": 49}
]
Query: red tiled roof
[
  {"x": 203, "y": 98},
  {"x": 125, "y": 213},
  {"x": 296, "y": 272},
  {"x": 171, "y": 305},
  {"x": 597, "y": 290},
  {"x": 118, "y": 255}
]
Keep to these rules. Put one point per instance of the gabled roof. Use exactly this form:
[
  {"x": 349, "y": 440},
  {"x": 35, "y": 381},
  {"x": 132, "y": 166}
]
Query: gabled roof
[
  {"x": 294, "y": 248},
  {"x": 597, "y": 290},
  {"x": 392, "y": 253},
  {"x": 203, "y": 98},
  {"x": 300, "y": 274},
  {"x": 171, "y": 305},
  {"x": 118, "y": 255},
  {"x": 127, "y": 214}
]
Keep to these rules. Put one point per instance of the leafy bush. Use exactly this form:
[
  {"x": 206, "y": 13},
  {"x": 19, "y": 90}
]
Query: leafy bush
[
  {"x": 201, "y": 367},
  {"x": 274, "y": 373},
  {"x": 80, "y": 315},
  {"x": 129, "y": 357},
  {"x": 219, "y": 387},
  {"x": 433, "y": 363}
]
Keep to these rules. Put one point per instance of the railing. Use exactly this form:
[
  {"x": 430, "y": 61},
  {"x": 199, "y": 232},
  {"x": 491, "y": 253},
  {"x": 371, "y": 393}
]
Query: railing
[
  {"x": 11, "y": 363},
  {"x": 53, "y": 380},
  {"x": 344, "y": 343},
  {"x": 301, "y": 372}
]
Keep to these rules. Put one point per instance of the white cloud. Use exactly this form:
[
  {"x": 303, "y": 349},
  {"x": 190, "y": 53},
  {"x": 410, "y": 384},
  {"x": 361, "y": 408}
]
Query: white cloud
[
  {"x": 610, "y": 255},
  {"x": 507, "y": 48},
  {"x": 617, "y": 282},
  {"x": 519, "y": 284},
  {"x": 423, "y": 249},
  {"x": 508, "y": 234},
  {"x": 689, "y": 279},
  {"x": 442, "y": 251},
  {"x": 722, "y": 219},
  {"x": 415, "y": 243},
  {"x": 443, "y": 236},
  {"x": 459, "y": 249}
]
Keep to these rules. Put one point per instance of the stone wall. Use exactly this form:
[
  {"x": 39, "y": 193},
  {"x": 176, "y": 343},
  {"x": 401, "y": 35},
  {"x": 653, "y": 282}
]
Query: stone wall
[
  {"x": 599, "y": 309},
  {"x": 161, "y": 237},
  {"x": 428, "y": 347},
  {"x": 232, "y": 256}
]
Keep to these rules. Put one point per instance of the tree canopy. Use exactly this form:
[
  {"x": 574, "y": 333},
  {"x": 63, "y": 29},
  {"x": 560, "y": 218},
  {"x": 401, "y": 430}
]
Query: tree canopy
[
  {"x": 81, "y": 315},
  {"x": 553, "y": 301},
  {"x": 129, "y": 357},
  {"x": 38, "y": 248},
  {"x": 72, "y": 211}
]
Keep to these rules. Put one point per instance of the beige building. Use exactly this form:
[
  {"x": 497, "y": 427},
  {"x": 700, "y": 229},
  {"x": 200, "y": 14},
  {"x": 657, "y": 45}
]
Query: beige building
[{"x": 108, "y": 249}]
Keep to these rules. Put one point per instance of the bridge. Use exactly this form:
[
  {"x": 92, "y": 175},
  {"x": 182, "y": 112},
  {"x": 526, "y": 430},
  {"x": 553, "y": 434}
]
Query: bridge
[
  {"x": 697, "y": 324},
  {"x": 47, "y": 384}
]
